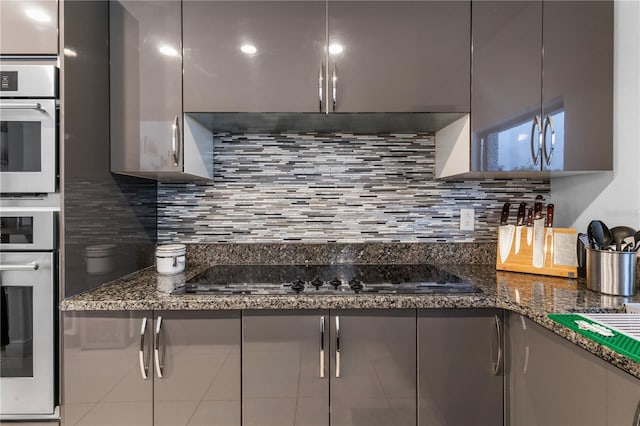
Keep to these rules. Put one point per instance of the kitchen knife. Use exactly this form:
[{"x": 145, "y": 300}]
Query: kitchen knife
[
  {"x": 538, "y": 243},
  {"x": 504, "y": 217},
  {"x": 537, "y": 207},
  {"x": 530, "y": 226},
  {"x": 549, "y": 220},
  {"x": 505, "y": 240},
  {"x": 522, "y": 211}
]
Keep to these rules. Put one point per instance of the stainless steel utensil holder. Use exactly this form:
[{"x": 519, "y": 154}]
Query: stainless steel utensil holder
[{"x": 611, "y": 272}]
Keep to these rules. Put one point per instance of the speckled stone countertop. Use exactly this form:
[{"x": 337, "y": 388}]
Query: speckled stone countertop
[{"x": 533, "y": 296}]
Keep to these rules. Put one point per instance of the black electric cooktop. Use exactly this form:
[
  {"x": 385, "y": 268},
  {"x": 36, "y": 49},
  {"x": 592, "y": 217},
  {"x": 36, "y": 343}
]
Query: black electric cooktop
[{"x": 325, "y": 280}]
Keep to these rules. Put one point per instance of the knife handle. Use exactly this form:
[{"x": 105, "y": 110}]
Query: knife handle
[
  {"x": 549, "y": 220},
  {"x": 530, "y": 217},
  {"x": 522, "y": 211},
  {"x": 504, "y": 217},
  {"x": 537, "y": 207}
]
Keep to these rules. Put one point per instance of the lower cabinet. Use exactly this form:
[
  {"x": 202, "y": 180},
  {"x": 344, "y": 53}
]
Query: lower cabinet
[
  {"x": 554, "y": 382},
  {"x": 142, "y": 368},
  {"x": 460, "y": 367},
  {"x": 338, "y": 367}
]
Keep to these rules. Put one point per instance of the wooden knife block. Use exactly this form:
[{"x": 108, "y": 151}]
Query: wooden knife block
[{"x": 563, "y": 239}]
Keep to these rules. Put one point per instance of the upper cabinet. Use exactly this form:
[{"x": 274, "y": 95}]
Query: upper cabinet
[
  {"x": 28, "y": 27},
  {"x": 313, "y": 56},
  {"x": 149, "y": 137},
  {"x": 542, "y": 86},
  {"x": 398, "y": 56}
]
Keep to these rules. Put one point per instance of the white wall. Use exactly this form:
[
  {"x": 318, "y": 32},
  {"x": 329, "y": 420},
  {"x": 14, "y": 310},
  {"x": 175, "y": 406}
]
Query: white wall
[{"x": 613, "y": 197}]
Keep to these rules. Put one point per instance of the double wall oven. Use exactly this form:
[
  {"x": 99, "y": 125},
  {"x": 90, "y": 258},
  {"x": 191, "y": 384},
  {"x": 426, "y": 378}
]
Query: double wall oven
[
  {"x": 28, "y": 241},
  {"x": 28, "y": 128}
]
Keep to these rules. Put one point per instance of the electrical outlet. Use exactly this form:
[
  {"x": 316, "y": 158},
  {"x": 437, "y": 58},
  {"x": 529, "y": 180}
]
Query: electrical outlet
[{"x": 467, "y": 219}]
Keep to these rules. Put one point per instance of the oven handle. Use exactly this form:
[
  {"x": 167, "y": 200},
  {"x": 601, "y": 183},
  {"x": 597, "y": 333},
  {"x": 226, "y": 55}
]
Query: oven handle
[
  {"x": 34, "y": 105},
  {"x": 33, "y": 266}
]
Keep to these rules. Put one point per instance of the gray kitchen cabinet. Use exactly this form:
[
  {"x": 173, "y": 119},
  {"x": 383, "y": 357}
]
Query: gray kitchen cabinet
[
  {"x": 351, "y": 367},
  {"x": 460, "y": 367},
  {"x": 28, "y": 28},
  {"x": 104, "y": 369},
  {"x": 622, "y": 397},
  {"x": 149, "y": 136},
  {"x": 272, "y": 56},
  {"x": 552, "y": 381},
  {"x": 126, "y": 368},
  {"x": 197, "y": 373},
  {"x": 542, "y": 86},
  {"x": 222, "y": 73},
  {"x": 399, "y": 56}
]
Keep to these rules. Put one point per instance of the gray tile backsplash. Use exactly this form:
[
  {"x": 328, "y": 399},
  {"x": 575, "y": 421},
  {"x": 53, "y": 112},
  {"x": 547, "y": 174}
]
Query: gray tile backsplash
[{"x": 338, "y": 187}]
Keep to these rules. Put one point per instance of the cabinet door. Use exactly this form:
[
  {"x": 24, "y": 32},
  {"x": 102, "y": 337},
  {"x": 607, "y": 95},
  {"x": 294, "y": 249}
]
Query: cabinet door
[
  {"x": 578, "y": 84},
  {"x": 552, "y": 381},
  {"x": 104, "y": 382},
  {"x": 622, "y": 397},
  {"x": 197, "y": 372},
  {"x": 460, "y": 371},
  {"x": 506, "y": 84},
  {"x": 145, "y": 86},
  {"x": 283, "y": 355},
  {"x": 373, "y": 367},
  {"x": 28, "y": 28},
  {"x": 253, "y": 56},
  {"x": 398, "y": 56}
]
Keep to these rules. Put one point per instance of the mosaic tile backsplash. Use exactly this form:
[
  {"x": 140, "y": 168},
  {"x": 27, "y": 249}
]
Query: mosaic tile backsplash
[{"x": 320, "y": 188}]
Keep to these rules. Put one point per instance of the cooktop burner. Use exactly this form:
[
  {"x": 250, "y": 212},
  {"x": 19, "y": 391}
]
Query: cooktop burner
[{"x": 325, "y": 279}]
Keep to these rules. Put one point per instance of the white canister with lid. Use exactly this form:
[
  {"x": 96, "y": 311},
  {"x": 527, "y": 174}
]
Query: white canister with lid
[{"x": 170, "y": 258}]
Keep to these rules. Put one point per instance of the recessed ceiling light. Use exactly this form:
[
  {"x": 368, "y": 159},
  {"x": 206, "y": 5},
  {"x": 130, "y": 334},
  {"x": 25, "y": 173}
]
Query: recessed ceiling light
[
  {"x": 335, "y": 49},
  {"x": 248, "y": 49},
  {"x": 168, "y": 50}
]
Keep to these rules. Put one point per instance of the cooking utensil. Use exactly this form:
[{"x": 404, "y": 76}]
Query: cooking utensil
[
  {"x": 619, "y": 233},
  {"x": 504, "y": 216},
  {"x": 636, "y": 239},
  {"x": 549, "y": 220},
  {"x": 530, "y": 226},
  {"x": 522, "y": 211},
  {"x": 599, "y": 235},
  {"x": 537, "y": 207},
  {"x": 505, "y": 240},
  {"x": 538, "y": 243}
]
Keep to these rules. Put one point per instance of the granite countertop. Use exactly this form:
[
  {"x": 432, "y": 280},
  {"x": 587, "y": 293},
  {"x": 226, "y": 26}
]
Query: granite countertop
[{"x": 533, "y": 296}]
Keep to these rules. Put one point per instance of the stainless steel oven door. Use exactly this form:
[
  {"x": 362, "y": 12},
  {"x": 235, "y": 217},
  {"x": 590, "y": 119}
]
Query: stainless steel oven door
[
  {"x": 25, "y": 230},
  {"x": 26, "y": 333},
  {"x": 27, "y": 145}
]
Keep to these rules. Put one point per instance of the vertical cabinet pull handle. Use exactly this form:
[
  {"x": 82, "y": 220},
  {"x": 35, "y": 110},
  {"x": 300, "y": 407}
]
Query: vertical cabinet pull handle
[
  {"x": 175, "y": 141},
  {"x": 322, "y": 347},
  {"x": 334, "y": 87},
  {"x": 338, "y": 347},
  {"x": 497, "y": 367},
  {"x": 144, "y": 370},
  {"x": 548, "y": 123},
  {"x": 636, "y": 418},
  {"x": 156, "y": 350},
  {"x": 321, "y": 85},
  {"x": 535, "y": 153}
]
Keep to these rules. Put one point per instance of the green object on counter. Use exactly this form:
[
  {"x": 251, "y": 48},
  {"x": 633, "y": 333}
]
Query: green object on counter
[{"x": 619, "y": 342}]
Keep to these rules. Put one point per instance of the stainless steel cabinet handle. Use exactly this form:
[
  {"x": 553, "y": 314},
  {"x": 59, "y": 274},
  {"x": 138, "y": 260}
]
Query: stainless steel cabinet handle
[
  {"x": 34, "y": 105},
  {"x": 636, "y": 418},
  {"x": 322, "y": 347},
  {"x": 548, "y": 123},
  {"x": 156, "y": 350},
  {"x": 321, "y": 85},
  {"x": 535, "y": 153},
  {"x": 497, "y": 367},
  {"x": 334, "y": 87},
  {"x": 175, "y": 141},
  {"x": 338, "y": 347},
  {"x": 144, "y": 370},
  {"x": 33, "y": 266}
]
